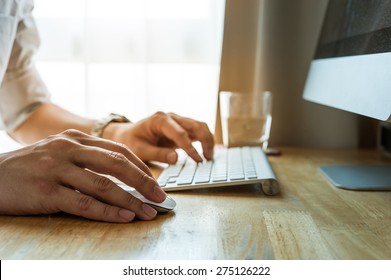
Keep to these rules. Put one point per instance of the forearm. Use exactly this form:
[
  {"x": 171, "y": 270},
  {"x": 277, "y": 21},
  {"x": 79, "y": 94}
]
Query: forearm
[{"x": 47, "y": 120}]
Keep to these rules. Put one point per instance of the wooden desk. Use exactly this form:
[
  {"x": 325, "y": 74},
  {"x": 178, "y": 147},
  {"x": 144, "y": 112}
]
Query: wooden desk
[{"x": 310, "y": 219}]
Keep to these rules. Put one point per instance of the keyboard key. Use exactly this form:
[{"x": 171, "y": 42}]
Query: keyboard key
[
  {"x": 219, "y": 179},
  {"x": 172, "y": 179},
  {"x": 236, "y": 176},
  {"x": 162, "y": 181},
  {"x": 173, "y": 170},
  {"x": 201, "y": 180},
  {"x": 184, "y": 180},
  {"x": 162, "y": 184}
]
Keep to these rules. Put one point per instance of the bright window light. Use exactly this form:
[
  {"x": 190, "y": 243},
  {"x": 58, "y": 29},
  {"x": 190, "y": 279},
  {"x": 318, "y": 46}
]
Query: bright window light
[{"x": 132, "y": 57}]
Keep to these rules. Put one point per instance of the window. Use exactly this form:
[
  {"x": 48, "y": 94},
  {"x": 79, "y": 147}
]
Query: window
[{"x": 132, "y": 57}]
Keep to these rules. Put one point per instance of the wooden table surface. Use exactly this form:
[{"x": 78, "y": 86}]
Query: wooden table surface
[{"x": 310, "y": 219}]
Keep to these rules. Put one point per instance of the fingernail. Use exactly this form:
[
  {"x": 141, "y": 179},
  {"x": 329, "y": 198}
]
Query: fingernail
[
  {"x": 172, "y": 157},
  {"x": 126, "y": 214},
  {"x": 149, "y": 211},
  {"x": 160, "y": 194}
]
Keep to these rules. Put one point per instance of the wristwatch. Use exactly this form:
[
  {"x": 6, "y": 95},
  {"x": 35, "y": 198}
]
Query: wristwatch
[{"x": 101, "y": 124}]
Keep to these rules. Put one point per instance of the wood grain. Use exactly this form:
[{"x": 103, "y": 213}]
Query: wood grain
[{"x": 310, "y": 219}]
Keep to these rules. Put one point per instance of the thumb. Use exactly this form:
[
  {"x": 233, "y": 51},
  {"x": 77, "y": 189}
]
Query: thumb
[{"x": 166, "y": 155}]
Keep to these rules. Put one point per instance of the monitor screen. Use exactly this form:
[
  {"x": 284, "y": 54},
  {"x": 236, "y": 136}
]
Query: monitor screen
[{"x": 351, "y": 69}]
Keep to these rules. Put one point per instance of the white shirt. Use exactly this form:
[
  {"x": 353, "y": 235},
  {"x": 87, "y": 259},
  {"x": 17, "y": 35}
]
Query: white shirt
[{"x": 21, "y": 88}]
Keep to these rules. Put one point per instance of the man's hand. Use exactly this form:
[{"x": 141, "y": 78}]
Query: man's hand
[
  {"x": 157, "y": 137},
  {"x": 60, "y": 173}
]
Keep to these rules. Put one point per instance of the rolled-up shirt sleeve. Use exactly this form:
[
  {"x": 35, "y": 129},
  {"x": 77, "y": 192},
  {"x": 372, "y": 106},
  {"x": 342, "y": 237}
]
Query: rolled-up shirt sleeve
[{"x": 21, "y": 88}]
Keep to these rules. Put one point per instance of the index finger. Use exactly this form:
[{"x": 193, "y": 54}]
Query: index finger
[
  {"x": 198, "y": 131},
  {"x": 88, "y": 140},
  {"x": 116, "y": 164},
  {"x": 173, "y": 131}
]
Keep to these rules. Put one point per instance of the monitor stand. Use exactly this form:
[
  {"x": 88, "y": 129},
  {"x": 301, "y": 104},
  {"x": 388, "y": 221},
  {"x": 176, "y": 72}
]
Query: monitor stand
[{"x": 359, "y": 177}]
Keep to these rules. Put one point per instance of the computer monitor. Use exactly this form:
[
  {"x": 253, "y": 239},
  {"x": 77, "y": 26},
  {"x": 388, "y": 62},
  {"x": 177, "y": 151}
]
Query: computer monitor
[{"x": 351, "y": 71}]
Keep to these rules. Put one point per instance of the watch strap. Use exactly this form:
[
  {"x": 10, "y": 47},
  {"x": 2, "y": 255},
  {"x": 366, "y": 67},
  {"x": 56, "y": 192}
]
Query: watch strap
[{"x": 101, "y": 124}]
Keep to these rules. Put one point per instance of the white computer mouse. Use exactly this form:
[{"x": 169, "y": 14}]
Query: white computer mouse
[{"x": 165, "y": 206}]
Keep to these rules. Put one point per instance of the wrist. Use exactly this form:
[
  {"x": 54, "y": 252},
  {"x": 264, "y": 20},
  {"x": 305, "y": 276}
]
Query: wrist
[
  {"x": 101, "y": 126},
  {"x": 113, "y": 131}
]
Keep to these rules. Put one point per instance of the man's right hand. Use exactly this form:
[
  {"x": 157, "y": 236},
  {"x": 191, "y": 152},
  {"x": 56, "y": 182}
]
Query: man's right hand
[{"x": 60, "y": 174}]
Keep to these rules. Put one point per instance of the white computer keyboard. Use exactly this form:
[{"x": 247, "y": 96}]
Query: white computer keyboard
[{"x": 230, "y": 166}]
